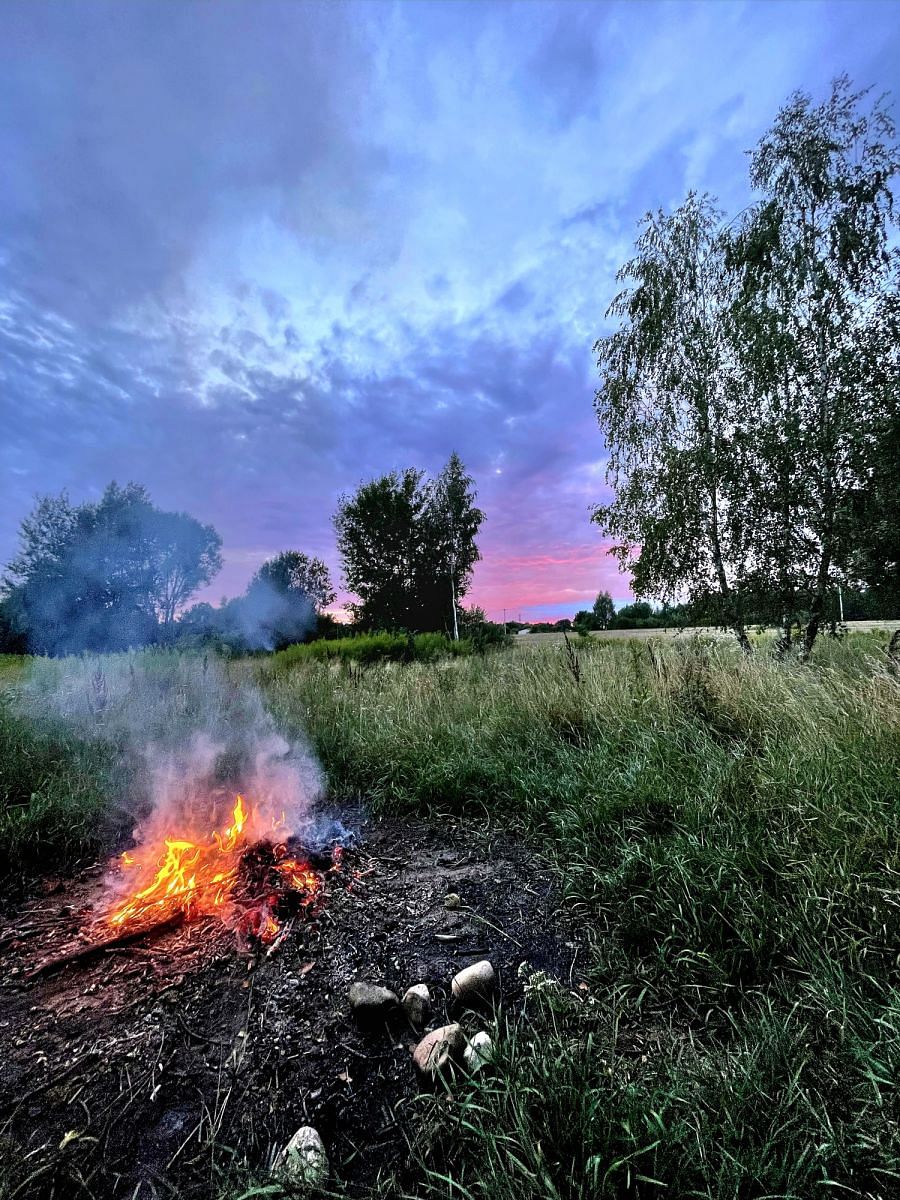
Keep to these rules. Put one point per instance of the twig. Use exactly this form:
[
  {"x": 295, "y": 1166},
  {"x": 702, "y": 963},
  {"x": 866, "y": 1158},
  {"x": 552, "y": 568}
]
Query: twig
[
  {"x": 200, "y": 1037},
  {"x": 502, "y": 932},
  {"x": 80, "y": 953},
  {"x": 280, "y": 938},
  {"x": 368, "y": 1057}
]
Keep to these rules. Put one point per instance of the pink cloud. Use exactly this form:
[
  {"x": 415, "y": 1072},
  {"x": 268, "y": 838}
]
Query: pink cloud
[{"x": 562, "y": 580}]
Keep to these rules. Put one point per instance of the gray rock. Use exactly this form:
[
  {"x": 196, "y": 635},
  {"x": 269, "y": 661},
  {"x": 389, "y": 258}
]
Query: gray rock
[
  {"x": 475, "y": 983},
  {"x": 303, "y": 1160},
  {"x": 438, "y": 1049},
  {"x": 452, "y": 900},
  {"x": 417, "y": 1004},
  {"x": 371, "y": 1002}
]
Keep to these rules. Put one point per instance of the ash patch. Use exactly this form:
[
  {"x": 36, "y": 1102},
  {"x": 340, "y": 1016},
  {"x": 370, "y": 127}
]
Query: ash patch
[{"x": 132, "y": 1075}]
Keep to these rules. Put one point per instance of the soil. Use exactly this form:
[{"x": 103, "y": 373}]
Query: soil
[{"x": 144, "y": 1071}]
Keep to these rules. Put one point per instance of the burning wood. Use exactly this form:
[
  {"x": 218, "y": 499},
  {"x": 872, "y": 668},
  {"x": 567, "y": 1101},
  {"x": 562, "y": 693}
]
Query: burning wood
[
  {"x": 253, "y": 883},
  {"x": 251, "y": 886},
  {"x": 257, "y": 889},
  {"x": 92, "y": 949}
]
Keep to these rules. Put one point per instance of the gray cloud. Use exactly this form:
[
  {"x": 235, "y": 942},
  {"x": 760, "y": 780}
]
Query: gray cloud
[
  {"x": 128, "y": 128},
  {"x": 251, "y": 253}
]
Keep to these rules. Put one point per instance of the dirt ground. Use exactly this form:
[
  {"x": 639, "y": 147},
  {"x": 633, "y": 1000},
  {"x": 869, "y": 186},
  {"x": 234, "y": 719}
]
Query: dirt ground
[{"x": 119, "y": 1074}]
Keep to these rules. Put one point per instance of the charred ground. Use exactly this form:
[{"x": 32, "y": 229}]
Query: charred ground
[{"x": 143, "y": 1071}]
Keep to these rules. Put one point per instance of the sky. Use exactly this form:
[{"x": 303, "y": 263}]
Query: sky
[{"x": 253, "y": 253}]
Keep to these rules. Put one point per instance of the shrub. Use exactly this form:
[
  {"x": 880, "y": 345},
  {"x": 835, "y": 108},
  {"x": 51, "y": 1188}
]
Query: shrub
[{"x": 371, "y": 648}]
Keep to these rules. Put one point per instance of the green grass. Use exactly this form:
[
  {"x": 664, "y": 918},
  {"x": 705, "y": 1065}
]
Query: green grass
[
  {"x": 727, "y": 835},
  {"x": 11, "y": 666},
  {"x": 55, "y": 793}
]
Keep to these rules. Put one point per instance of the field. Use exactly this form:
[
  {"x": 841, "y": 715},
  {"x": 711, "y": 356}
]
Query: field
[
  {"x": 760, "y": 637},
  {"x": 714, "y": 1010}
]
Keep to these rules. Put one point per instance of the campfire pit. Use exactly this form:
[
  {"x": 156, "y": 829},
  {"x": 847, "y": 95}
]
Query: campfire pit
[
  {"x": 251, "y": 882},
  {"x": 172, "y": 1051},
  {"x": 255, "y": 888}
]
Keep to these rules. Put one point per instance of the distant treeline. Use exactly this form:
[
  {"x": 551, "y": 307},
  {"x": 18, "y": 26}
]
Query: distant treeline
[
  {"x": 850, "y": 604},
  {"x": 119, "y": 573}
]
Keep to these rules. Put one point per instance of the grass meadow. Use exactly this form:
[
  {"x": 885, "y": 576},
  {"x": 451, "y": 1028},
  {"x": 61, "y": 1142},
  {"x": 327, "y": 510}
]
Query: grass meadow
[{"x": 726, "y": 836}]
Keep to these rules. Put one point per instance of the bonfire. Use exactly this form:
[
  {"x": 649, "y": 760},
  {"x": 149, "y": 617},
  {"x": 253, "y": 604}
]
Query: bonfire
[
  {"x": 253, "y": 878},
  {"x": 251, "y": 884}
]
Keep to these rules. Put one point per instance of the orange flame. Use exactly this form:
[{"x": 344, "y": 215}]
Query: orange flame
[{"x": 195, "y": 878}]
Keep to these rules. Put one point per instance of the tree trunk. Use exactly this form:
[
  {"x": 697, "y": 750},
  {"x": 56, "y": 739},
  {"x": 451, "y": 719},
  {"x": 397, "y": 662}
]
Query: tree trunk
[
  {"x": 817, "y": 609},
  {"x": 741, "y": 634},
  {"x": 812, "y": 626},
  {"x": 730, "y": 604},
  {"x": 783, "y": 645},
  {"x": 893, "y": 652},
  {"x": 453, "y": 600}
]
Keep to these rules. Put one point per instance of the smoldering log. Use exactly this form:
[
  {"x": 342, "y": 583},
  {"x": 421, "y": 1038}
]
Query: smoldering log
[{"x": 81, "y": 953}]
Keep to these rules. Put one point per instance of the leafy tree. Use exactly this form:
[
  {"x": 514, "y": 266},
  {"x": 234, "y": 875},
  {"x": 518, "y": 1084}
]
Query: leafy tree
[
  {"x": 12, "y": 637},
  {"x": 604, "y": 610},
  {"x": 408, "y": 547},
  {"x": 281, "y": 605},
  {"x": 293, "y": 573},
  {"x": 285, "y": 597},
  {"x": 663, "y": 405},
  {"x": 108, "y": 575},
  {"x": 746, "y": 393},
  {"x": 379, "y": 531},
  {"x": 584, "y": 621},
  {"x": 482, "y": 633},
  {"x": 816, "y": 325},
  {"x": 185, "y": 555},
  {"x": 639, "y": 615},
  {"x": 453, "y": 522},
  {"x": 874, "y": 566}
]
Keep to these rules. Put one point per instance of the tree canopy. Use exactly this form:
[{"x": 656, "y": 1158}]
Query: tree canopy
[
  {"x": 282, "y": 604},
  {"x": 749, "y": 392},
  {"x": 408, "y": 547},
  {"x": 105, "y": 576},
  {"x": 603, "y": 610},
  {"x": 285, "y": 597}
]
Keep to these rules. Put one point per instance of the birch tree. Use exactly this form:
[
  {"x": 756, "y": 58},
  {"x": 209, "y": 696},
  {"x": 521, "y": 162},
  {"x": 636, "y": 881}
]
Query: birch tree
[
  {"x": 667, "y": 412},
  {"x": 816, "y": 338},
  {"x": 749, "y": 395}
]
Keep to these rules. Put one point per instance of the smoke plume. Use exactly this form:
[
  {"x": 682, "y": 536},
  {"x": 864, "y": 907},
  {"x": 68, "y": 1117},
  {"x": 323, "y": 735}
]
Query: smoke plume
[{"x": 190, "y": 738}]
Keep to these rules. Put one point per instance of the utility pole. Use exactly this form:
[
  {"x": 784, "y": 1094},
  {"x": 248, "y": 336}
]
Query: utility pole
[{"x": 453, "y": 597}]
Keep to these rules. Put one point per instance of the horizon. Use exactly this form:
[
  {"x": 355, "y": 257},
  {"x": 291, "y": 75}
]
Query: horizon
[{"x": 256, "y": 253}]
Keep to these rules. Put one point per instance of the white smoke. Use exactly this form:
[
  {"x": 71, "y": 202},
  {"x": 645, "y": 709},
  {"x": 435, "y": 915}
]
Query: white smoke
[{"x": 190, "y": 738}]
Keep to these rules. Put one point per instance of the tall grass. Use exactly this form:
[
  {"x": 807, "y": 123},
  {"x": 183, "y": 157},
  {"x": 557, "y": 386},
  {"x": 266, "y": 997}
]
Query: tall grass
[
  {"x": 727, "y": 837},
  {"x": 55, "y": 795},
  {"x": 372, "y": 648}
]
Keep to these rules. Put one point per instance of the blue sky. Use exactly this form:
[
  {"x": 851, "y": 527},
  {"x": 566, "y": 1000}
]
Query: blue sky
[{"x": 252, "y": 253}]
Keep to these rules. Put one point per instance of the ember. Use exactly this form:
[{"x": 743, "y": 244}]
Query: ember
[{"x": 250, "y": 885}]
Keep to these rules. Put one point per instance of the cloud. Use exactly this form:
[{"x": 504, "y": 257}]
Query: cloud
[
  {"x": 128, "y": 129},
  {"x": 256, "y": 252}
]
